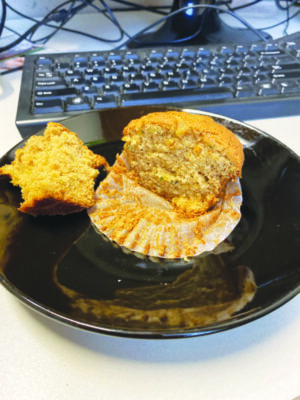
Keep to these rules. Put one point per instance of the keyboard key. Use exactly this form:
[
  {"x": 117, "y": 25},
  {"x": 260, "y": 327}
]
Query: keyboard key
[
  {"x": 225, "y": 81},
  {"x": 110, "y": 71},
  {"x": 175, "y": 75},
  {"x": 189, "y": 83},
  {"x": 150, "y": 87},
  {"x": 241, "y": 49},
  {"x": 117, "y": 80},
  {"x": 111, "y": 89},
  {"x": 262, "y": 78},
  {"x": 117, "y": 58},
  {"x": 79, "y": 59},
  {"x": 184, "y": 67},
  {"x": 43, "y": 60},
  {"x": 98, "y": 81},
  {"x": 178, "y": 96},
  {"x": 155, "y": 55},
  {"x": 45, "y": 74},
  {"x": 89, "y": 72},
  {"x": 289, "y": 87},
  {"x": 155, "y": 77},
  {"x": 78, "y": 82},
  {"x": 270, "y": 52},
  {"x": 207, "y": 83},
  {"x": 79, "y": 65},
  {"x": 211, "y": 74},
  {"x": 169, "y": 85},
  {"x": 245, "y": 71},
  {"x": 104, "y": 102},
  {"x": 227, "y": 50},
  {"x": 47, "y": 106},
  {"x": 268, "y": 89},
  {"x": 172, "y": 54},
  {"x": 131, "y": 88},
  {"x": 129, "y": 71},
  {"x": 245, "y": 91},
  {"x": 90, "y": 91},
  {"x": 71, "y": 74},
  {"x": 138, "y": 79},
  {"x": 203, "y": 52},
  {"x": 149, "y": 68},
  {"x": 166, "y": 68},
  {"x": 78, "y": 103},
  {"x": 286, "y": 67},
  {"x": 97, "y": 59},
  {"x": 250, "y": 62},
  {"x": 131, "y": 56},
  {"x": 62, "y": 66},
  {"x": 285, "y": 59},
  {"x": 52, "y": 83},
  {"x": 55, "y": 93},
  {"x": 188, "y": 54},
  {"x": 228, "y": 72},
  {"x": 284, "y": 75}
]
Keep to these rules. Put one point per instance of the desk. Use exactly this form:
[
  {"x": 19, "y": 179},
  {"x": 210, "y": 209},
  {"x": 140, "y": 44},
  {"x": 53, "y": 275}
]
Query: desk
[{"x": 43, "y": 359}]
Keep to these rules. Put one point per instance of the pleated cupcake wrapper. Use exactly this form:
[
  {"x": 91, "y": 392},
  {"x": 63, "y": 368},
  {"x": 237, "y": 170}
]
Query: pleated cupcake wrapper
[{"x": 143, "y": 222}]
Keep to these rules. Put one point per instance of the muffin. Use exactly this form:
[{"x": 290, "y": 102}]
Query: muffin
[
  {"x": 56, "y": 172},
  {"x": 174, "y": 191},
  {"x": 185, "y": 158}
]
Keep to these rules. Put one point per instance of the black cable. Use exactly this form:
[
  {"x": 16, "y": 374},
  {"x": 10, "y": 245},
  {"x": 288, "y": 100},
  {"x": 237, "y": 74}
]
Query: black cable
[
  {"x": 3, "y": 16},
  {"x": 252, "y": 3},
  {"x": 103, "y": 39},
  {"x": 13, "y": 31},
  {"x": 287, "y": 7},
  {"x": 281, "y": 22},
  {"x": 63, "y": 16},
  {"x": 30, "y": 32},
  {"x": 16, "y": 42},
  {"x": 49, "y": 16},
  {"x": 289, "y": 3},
  {"x": 110, "y": 15}
]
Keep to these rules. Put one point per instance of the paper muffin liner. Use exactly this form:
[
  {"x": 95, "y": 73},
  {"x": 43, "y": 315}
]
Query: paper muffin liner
[{"x": 143, "y": 222}]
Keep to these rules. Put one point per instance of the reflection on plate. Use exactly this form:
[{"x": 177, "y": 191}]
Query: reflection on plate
[{"x": 61, "y": 267}]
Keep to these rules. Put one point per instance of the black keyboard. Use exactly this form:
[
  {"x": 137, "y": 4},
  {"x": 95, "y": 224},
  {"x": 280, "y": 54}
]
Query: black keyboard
[{"x": 242, "y": 81}]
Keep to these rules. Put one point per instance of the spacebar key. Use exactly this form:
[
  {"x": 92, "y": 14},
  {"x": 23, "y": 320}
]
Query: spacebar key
[{"x": 176, "y": 96}]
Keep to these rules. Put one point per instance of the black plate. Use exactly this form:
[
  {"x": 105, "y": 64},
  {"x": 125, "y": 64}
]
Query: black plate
[{"x": 61, "y": 267}]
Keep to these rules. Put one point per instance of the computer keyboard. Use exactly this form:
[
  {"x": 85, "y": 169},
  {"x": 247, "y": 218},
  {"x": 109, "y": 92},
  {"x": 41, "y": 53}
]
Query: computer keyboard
[{"x": 242, "y": 81}]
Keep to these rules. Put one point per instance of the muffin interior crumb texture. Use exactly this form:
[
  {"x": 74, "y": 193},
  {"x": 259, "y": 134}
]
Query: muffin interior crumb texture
[
  {"x": 56, "y": 172},
  {"x": 185, "y": 158}
]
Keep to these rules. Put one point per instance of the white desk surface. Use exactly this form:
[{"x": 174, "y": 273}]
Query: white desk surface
[{"x": 43, "y": 359}]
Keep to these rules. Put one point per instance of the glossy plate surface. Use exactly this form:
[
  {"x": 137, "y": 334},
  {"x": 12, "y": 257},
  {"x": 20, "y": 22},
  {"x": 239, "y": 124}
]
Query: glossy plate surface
[{"x": 61, "y": 267}]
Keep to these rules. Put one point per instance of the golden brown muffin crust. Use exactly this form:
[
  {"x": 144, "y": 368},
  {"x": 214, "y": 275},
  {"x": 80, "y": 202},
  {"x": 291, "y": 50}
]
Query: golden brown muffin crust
[
  {"x": 183, "y": 157},
  {"x": 202, "y": 127},
  {"x": 56, "y": 172}
]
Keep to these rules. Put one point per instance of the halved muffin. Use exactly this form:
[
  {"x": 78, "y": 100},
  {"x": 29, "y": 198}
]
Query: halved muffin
[
  {"x": 56, "y": 172},
  {"x": 174, "y": 192},
  {"x": 185, "y": 158}
]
